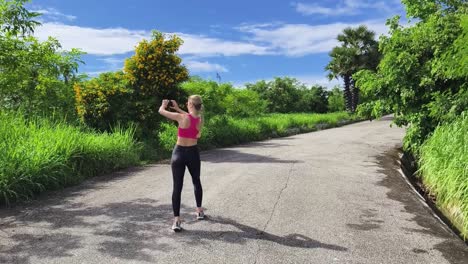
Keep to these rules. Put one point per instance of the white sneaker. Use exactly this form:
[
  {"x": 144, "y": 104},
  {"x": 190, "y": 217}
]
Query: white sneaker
[
  {"x": 200, "y": 215},
  {"x": 176, "y": 226}
]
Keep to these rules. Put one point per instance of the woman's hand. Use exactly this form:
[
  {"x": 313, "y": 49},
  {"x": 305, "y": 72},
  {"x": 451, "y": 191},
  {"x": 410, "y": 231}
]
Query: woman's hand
[
  {"x": 174, "y": 105},
  {"x": 164, "y": 104}
]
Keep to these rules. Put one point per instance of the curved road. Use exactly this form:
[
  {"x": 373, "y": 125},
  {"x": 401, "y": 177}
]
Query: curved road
[{"x": 333, "y": 196}]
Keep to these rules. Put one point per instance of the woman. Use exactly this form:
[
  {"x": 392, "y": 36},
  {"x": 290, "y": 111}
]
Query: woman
[{"x": 186, "y": 153}]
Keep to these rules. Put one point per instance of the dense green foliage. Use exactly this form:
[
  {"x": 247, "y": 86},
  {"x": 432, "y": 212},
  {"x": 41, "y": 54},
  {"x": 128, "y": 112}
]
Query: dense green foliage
[
  {"x": 336, "y": 102},
  {"x": 37, "y": 154},
  {"x": 282, "y": 95},
  {"x": 15, "y": 19},
  {"x": 288, "y": 95},
  {"x": 35, "y": 76},
  {"x": 423, "y": 75},
  {"x": 220, "y": 99},
  {"x": 104, "y": 101},
  {"x": 244, "y": 103},
  {"x": 444, "y": 168}
]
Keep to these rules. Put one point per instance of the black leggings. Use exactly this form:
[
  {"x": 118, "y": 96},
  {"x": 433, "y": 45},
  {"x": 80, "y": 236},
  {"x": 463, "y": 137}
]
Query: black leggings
[{"x": 181, "y": 157}]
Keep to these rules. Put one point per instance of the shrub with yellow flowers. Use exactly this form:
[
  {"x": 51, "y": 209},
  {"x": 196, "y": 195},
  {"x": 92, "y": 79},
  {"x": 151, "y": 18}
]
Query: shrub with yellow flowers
[
  {"x": 105, "y": 100},
  {"x": 153, "y": 73}
]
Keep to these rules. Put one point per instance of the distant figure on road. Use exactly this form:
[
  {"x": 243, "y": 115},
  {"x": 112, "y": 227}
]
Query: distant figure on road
[{"x": 186, "y": 152}]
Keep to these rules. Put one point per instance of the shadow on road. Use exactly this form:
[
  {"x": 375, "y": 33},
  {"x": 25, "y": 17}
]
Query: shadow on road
[
  {"x": 126, "y": 230},
  {"x": 263, "y": 144},
  {"x": 233, "y": 155},
  {"x": 58, "y": 196},
  {"x": 134, "y": 230},
  {"x": 247, "y": 232},
  {"x": 453, "y": 249}
]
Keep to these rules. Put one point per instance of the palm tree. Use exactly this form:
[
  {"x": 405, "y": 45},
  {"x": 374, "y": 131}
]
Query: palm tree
[
  {"x": 358, "y": 50},
  {"x": 341, "y": 66}
]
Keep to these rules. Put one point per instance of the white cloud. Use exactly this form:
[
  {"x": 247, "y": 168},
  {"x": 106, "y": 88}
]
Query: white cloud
[
  {"x": 348, "y": 7},
  {"x": 258, "y": 39},
  {"x": 303, "y": 39},
  {"x": 111, "y": 41},
  {"x": 53, "y": 14},
  {"x": 92, "y": 40},
  {"x": 310, "y": 80},
  {"x": 312, "y": 9},
  {"x": 209, "y": 47},
  {"x": 204, "y": 66},
  {"x": 273, "y": 38}
]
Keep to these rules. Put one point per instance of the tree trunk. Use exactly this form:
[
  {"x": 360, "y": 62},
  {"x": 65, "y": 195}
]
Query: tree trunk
[
  {"x": 347, "y": 93},
  {"x": 354, "y": 96}
]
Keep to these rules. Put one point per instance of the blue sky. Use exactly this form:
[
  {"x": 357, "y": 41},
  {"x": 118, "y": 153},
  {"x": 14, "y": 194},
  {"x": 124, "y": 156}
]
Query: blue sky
[{"x": 244, "y": 41}]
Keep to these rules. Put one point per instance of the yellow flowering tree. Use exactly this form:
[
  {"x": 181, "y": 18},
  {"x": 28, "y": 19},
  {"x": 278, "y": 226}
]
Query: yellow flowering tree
[{"x": 154, "y": 73}]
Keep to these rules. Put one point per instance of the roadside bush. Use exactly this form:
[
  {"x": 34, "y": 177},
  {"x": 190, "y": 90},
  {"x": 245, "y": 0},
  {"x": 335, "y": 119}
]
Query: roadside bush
[
  {"x": 244, "y": 103},
  {"x": 105, "y": 100},
  {"x": 213, "y": 94}
]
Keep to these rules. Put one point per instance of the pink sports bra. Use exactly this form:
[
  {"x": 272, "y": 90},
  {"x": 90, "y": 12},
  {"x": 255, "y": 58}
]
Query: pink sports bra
[{"x": 191, "y": 131}]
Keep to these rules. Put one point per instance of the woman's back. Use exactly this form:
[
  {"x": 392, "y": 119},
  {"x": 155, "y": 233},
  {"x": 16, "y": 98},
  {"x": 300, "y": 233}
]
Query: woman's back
[{"x": 188, "y": 131}]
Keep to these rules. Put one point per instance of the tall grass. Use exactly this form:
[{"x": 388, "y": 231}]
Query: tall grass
[
  {"x": 444, "y": 169},
  {"x": 39, "y": 154},
  {"x": 224, "y": 131}
]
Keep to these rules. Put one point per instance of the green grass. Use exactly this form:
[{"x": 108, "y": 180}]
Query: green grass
[
  {"x": 38, "y": 155},
  {"x": 444, "y": 170},
  {"x": 225, "y": 131}
]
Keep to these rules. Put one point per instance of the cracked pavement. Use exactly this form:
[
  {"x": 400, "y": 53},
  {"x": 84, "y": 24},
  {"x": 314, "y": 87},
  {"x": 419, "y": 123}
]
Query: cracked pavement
[{"x": 333, "y": 196}]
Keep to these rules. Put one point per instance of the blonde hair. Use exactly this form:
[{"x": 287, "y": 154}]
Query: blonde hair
[{"x": 197, "y": 103}]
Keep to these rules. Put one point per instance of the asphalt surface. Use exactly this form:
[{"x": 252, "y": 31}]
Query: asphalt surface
[{"x": 333, "y": 196}]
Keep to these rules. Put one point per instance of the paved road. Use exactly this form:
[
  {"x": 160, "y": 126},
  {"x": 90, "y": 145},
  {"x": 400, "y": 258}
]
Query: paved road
[{"x": 333, "y": 196}]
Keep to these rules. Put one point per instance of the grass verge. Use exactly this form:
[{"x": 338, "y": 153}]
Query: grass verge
[
  {"x": 38, "y": 155},
  {"x": 223, "y": 131},
  {"x": 444, "y": 170}
]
